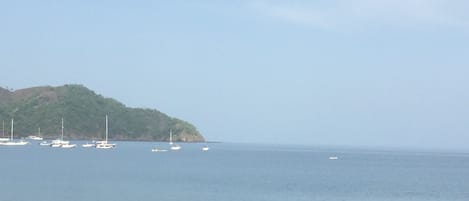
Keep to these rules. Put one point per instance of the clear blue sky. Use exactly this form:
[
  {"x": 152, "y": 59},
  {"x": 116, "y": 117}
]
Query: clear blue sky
[{"x": 363, "y": 72}]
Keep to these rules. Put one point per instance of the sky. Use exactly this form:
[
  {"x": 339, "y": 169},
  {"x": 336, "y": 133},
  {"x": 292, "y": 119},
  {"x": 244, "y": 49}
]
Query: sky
[{"x": 379, "y": 73}]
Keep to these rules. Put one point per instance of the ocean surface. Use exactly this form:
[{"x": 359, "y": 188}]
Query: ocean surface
[{"x": 230, "y": 172}]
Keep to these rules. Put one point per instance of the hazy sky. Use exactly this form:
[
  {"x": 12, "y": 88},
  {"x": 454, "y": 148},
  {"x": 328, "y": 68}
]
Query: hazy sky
[{"x": 362, "y": 72}]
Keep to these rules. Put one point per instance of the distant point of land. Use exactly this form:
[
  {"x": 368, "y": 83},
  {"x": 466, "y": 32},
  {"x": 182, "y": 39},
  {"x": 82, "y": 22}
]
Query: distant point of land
[{"x": 83, "y": 111}]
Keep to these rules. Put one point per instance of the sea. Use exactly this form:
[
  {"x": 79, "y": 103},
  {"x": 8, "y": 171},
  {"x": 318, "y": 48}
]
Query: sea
[{"x": 231, "y": 172}]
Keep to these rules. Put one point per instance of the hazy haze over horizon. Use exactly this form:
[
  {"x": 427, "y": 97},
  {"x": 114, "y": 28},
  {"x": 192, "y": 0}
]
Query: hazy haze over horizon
[{"x": 373, "y": 73}]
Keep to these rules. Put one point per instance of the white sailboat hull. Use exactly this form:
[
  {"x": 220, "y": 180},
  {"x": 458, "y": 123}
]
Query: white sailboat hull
[
  {"x": 68, "y": 146},
  {"x": 158, "y": 150},
  {"x": 4, "y": 139},
  {"x": 105, "y": 146},
  {"x": 59, "y": 143},
  {"x": 88, "y": 145},
  {"x": 35, "y": 137},
  {"x": 14, "y": 143}
]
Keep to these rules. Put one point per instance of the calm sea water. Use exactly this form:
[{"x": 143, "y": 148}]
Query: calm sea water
[{"x": 229, "y": 172}]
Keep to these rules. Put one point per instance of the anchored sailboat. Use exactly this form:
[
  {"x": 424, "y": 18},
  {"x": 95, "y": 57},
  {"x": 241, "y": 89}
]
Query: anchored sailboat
[
  {"x": 68, "y": 145},
  {"x": 104, "y": 144},
  {"x": 11, "y": 142},
  {"x": 60, "y": 142},
  {"x": 174, "y": 147},
  {"x": 3, "y": 138}
]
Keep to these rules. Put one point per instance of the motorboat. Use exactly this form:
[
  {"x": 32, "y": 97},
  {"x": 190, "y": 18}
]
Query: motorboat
[
  {"x": 205, "y": 148},
  {"x": 87, "y": 145},
  {"x": 156, "y": 149},
  {"x": 34, "y": 137},
  {"x": 44, "y": 143},
  {"x": 333, "y": 158},
  {"x": 175, "y": 147}
]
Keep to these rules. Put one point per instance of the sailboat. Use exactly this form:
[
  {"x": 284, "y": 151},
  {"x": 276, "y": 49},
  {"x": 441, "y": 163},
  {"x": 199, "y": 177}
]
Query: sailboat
[
  {"x": 174, "y": 147},
  {"x": 11, "y": 142},
  {"x": 67, "y": 145},
  {"x": 60, "y": 142},
  {"x": 3, "y": 138},
  {"x": 38, "y": 137},
  {"x": 104, "y": 144}
]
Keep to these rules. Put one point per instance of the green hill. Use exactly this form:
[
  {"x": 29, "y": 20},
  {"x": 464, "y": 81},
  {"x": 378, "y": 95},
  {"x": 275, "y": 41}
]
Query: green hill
[{"x": 84, "y": 116}]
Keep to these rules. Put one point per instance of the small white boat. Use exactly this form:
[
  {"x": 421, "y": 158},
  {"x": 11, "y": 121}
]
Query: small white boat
[
  {"x": 58, "y": 143},
  {"x": 156, "y": 149},
  {"x": 44, "y": 143},
  {"x": 4, "y": 139},
  {"x": 175, "y": 147},
  {"x": 333, "y": 158},
  {"x": 87, "y": 145},
  {"x": 205, "y": 148},
  {"x": 99, "y": 142},
  {"x": 68, "y": 146},
  {"x": 11, "y": 142},
  {"x": 105, "y": 144},
  {"x": 33, "y": 137},
  {"x": 14, "y": 143}
]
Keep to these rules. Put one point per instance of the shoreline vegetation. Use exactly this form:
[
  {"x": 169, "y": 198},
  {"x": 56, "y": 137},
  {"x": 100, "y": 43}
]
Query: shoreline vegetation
[{"x": 83, "y": 111}]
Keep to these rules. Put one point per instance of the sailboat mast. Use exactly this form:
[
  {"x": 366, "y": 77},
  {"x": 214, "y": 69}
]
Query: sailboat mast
[
  {"x": 12, "y": 123},
  {"x": 3, "y": 128},
  {"x": 106, "y": 129},
  {"x": 39, "y": 131},
  {"x": 62, "y": 129},
  {"x": 170, "y": 136}
]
